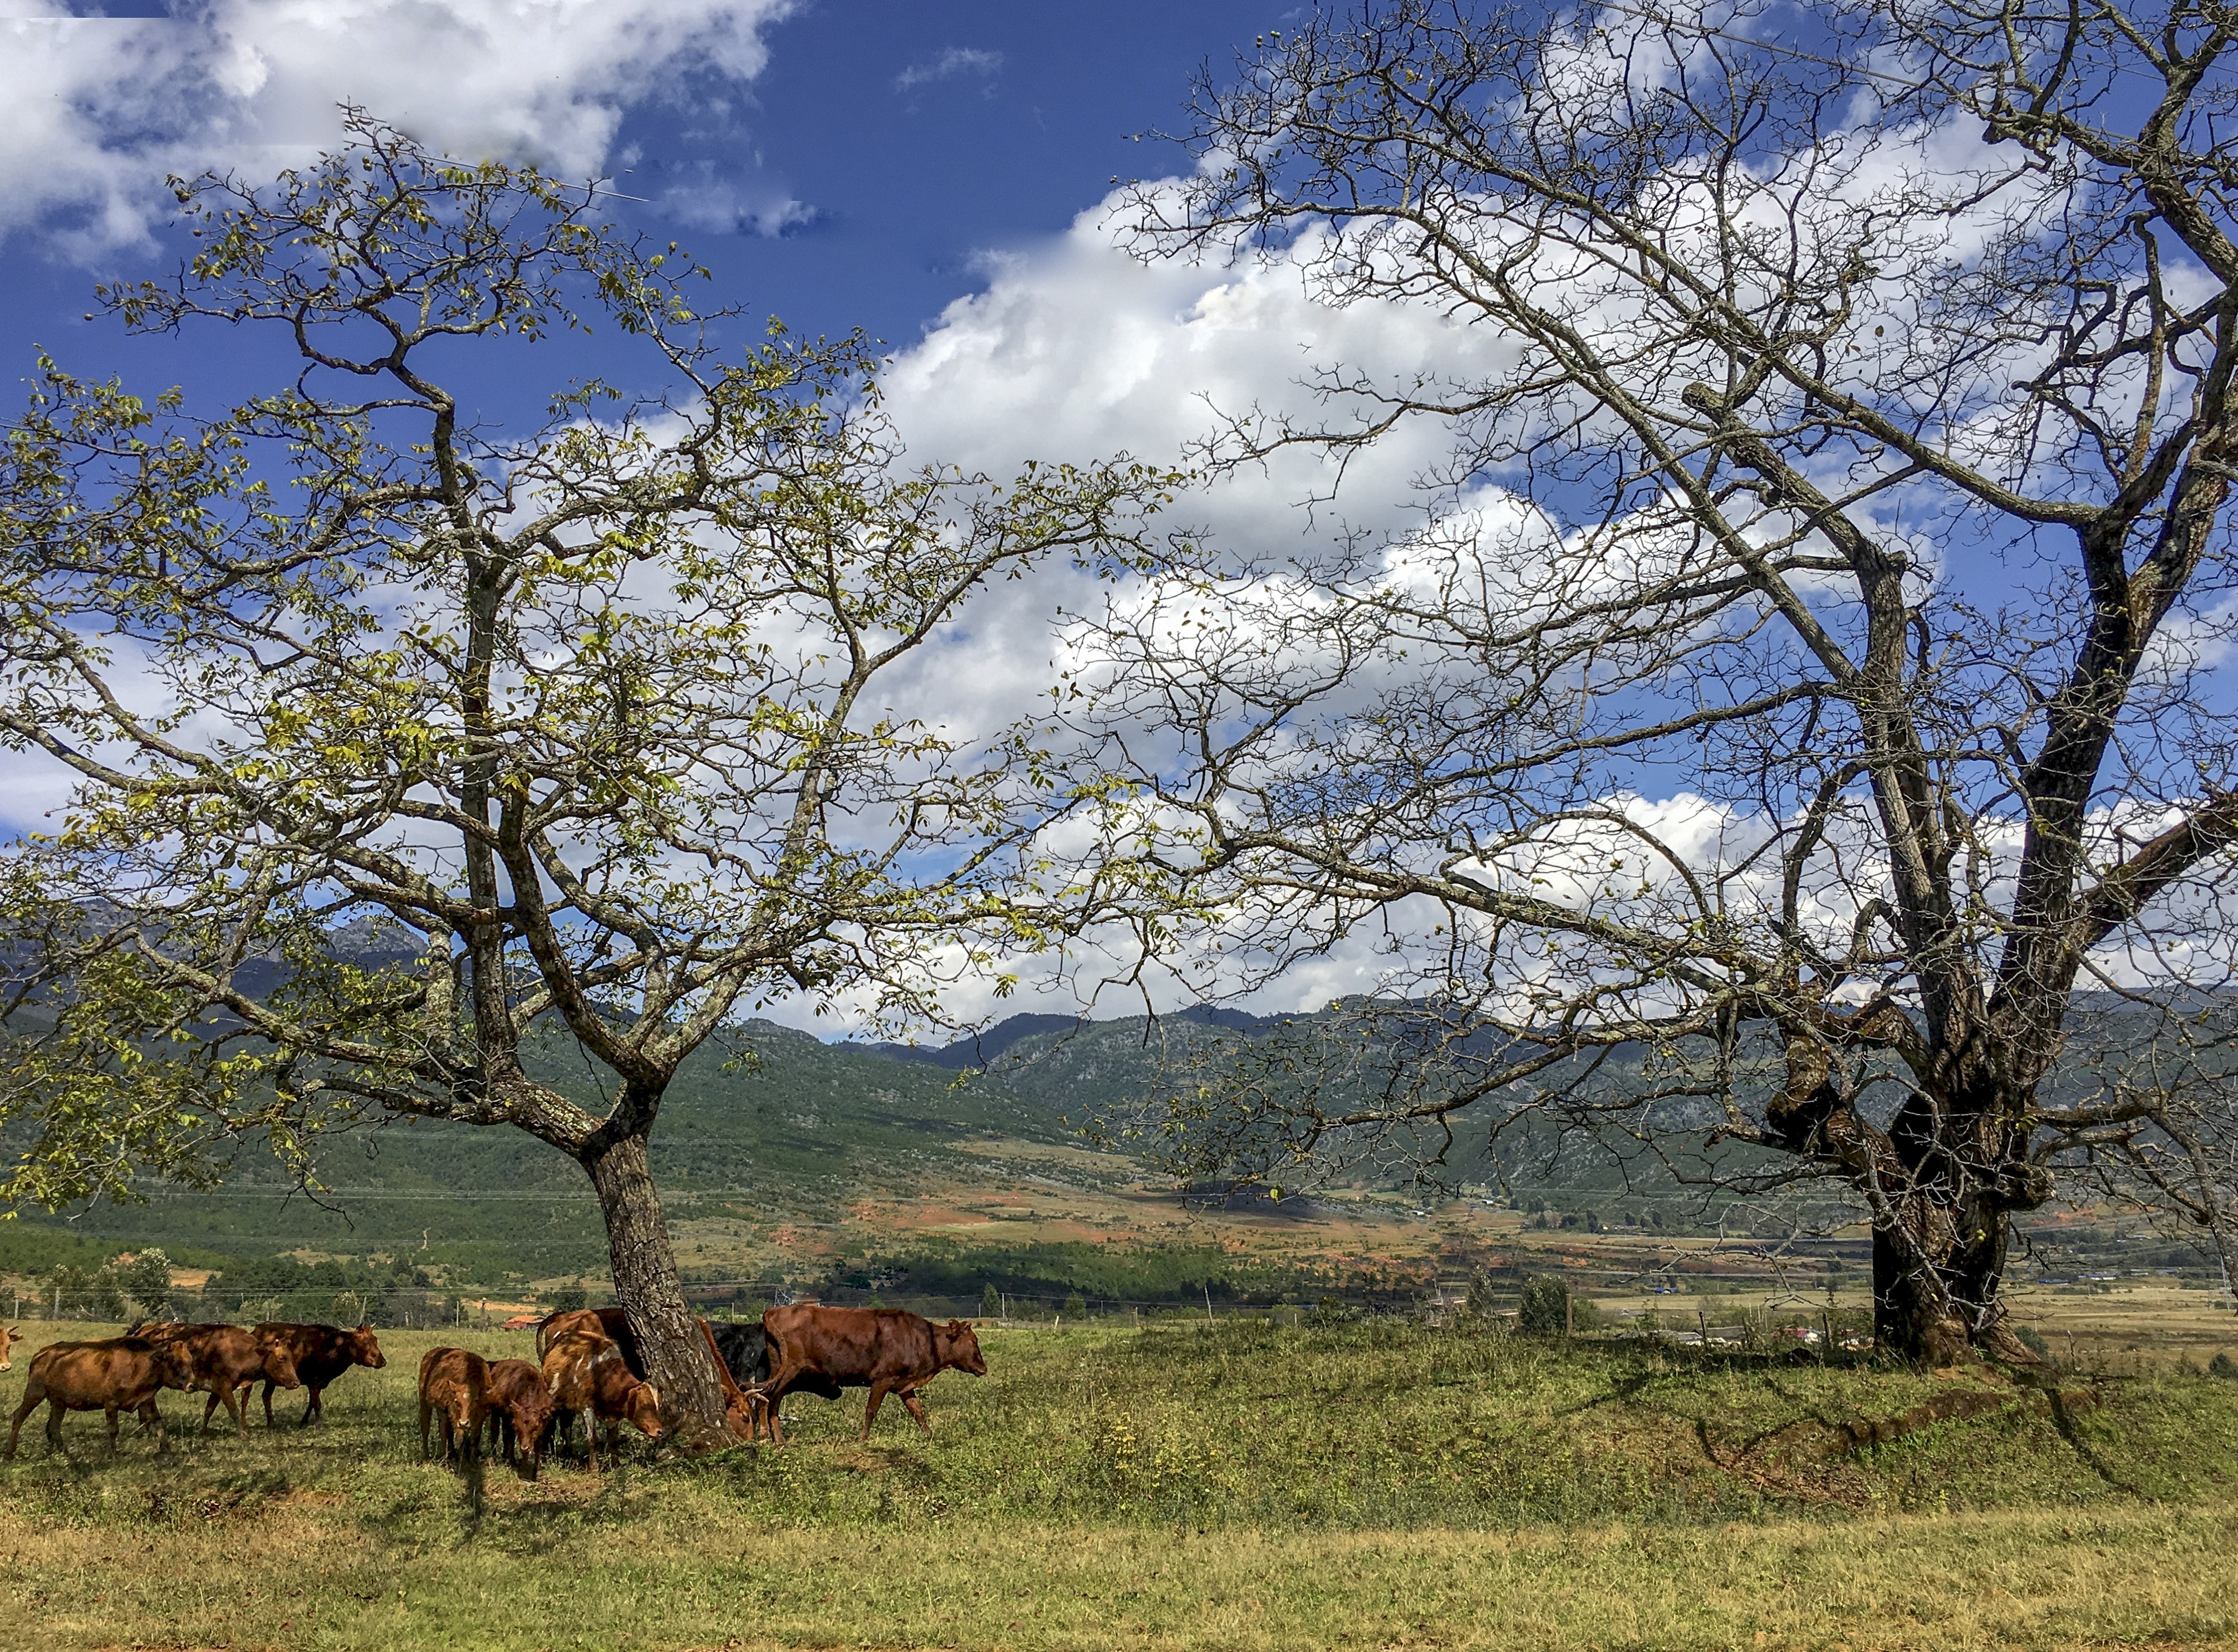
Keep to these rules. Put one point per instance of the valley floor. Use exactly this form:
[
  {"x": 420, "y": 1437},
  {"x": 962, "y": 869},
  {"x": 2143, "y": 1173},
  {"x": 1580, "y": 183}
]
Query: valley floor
[{"x": 1243, "y": 1486}]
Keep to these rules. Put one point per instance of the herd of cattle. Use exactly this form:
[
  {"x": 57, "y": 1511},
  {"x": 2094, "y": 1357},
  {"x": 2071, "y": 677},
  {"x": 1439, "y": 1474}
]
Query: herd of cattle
[{"x": 588, "y": 1366}]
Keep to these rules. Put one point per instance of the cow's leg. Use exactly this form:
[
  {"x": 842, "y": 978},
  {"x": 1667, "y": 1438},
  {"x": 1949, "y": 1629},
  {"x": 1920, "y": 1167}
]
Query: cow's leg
[
  {"x": 236, "y": 1407},
  {"x": 916, "y": 1408},
  {"x": 267, "y": 1403},
  {"x": 54, "y": 1423},
  {"x": 209, "y": 1407},
  {"x": 787, "y": 1369},
  {"x": 878, "y": 1391},
  {"x": 33, "y": 1395},
  {"x": 108, "y": 1415},
  {"x": 151, "y": 1416},
  {"x": 314, "y": 1409},
  {"x": 427, "y": 1411}
]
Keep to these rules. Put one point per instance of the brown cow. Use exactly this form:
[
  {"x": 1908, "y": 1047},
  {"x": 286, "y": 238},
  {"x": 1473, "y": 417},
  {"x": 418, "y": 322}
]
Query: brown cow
[
  {"x": 322, "y": 1354},
  {"x": 121, "y": 1374},
  {"x": 8, "y": 1337},
  {"x": 888, "y": 1350},
  {"x": 588, "y": 1378},
  {"x": 519, "y": 1408},
  {"x": 453, "y": 1384},
  {"x": 741, "y": 1410},
  {"x": 612, "y": 1324},
  {"x": 225, "y": 1361}
]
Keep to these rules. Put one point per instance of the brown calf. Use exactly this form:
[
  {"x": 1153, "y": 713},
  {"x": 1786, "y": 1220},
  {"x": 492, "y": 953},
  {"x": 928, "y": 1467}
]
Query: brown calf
[
  {"x": 588, "y": 1376},
  {"x": 742, "y": 1410},
  {"x": 222, "y": 1361},
  {"x": 8, "y": 1337},
  {"x": 121, "y": 1374},
  {"x": 453, "y": 1385},
  {"x": 888, "y": 1350},
  {"x": 322, "y": 1353},
  {"x": 520, "y": 1409}
]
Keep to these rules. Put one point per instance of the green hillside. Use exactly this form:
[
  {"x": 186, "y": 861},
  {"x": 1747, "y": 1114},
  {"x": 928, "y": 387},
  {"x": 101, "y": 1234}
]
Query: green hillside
[{"x": 794, "y": 1130}]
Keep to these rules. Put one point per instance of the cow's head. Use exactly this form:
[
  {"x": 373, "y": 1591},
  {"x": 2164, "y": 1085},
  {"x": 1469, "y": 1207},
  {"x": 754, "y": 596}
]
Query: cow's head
[
  {"x": 957, "y": 1344},
  {"x": 364, "y": 1348},
  {"x": 643, "y": 1409},
  {"x": 8, "y": 1337},
  {"x": 742, "y": 1418},
  {"x": 278, "y": 1350},
  {"x": 174, "y": 1362},
  {"x": 531, "y": 1415}
]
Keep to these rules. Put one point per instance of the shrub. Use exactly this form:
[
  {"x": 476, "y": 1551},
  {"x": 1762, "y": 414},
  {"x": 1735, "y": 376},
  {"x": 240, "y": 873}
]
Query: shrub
[
  {"x": 1544, "y": 1309},
  {"x": 2223, "y": 1365},
  {"x": 1075, "y": 1305},
  {"x": 990, "y": 1302},
  {"x": 567, "y": 1298}
]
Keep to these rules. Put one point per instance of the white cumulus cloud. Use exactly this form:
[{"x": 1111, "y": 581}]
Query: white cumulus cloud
[{"x": 95, "y": 111}]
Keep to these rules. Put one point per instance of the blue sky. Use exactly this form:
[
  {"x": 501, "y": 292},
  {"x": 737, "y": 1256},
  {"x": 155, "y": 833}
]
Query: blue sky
[
  {"x": 841, "y": 164},
  {"x": 932, "y": 173}
]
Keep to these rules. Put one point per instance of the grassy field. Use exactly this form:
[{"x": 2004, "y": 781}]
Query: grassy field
[{"x": 1183, "y": 1486}]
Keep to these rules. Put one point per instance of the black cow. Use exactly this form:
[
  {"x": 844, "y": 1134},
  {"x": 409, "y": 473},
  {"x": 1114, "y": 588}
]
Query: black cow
[{"x": 746, "y": 1353}]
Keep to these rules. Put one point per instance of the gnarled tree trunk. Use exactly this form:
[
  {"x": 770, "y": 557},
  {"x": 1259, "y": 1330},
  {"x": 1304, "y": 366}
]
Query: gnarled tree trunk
[{"x": 1940, "y": 1237}]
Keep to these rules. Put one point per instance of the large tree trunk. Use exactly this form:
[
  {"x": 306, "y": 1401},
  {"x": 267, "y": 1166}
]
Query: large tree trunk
[
  {"x": 677, "y": 1358},
  {"x": 1939, "y": 1251},
  {"x": 1932, "y": 1312}
]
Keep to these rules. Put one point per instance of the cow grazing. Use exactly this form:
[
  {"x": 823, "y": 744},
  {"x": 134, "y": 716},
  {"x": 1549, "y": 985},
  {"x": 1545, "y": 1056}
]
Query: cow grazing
[
  {"x": 588, "y": 1376},
  {"x": 322, "y": 1353},
  {"x": 454, "y": 1385},
  {"x": 121, "y": 1374},
  {"x": 223, "y": 1362},
  {"x": 8, "y": 1337},
  {"x": 520, "y": 1409},
  {"x": 742, "y": 1411},
  {"x": 888, "y": 1350}
]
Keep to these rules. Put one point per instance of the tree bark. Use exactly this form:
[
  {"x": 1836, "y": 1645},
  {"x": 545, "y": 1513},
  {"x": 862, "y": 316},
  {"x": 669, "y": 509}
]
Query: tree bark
[
  {"x": 1921, "y": 1307},
  {"x": 1940, "y": 1248},
  {"x": 676, "y": 1359}
]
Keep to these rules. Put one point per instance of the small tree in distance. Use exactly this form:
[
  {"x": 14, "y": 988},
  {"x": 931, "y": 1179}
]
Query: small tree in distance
[
  {"x": 402, "y": 744},
  {"x": 1544, "y": 1309},
  {"x": 147, "y": 1279}
]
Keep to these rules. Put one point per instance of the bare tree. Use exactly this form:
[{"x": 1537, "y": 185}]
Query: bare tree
[
  {"x": 1800, "y": 699},
  {"x": 397, "y": 741}
]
